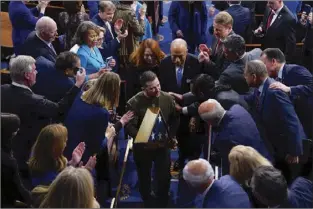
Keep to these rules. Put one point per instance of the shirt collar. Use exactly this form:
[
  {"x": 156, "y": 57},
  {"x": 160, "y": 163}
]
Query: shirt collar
[
  {"x": 277, "y": 11},
  {"x": 262, "y": 85},
  {"x": 46, "y": 42},
  {"x": 280, "y": 72},
  {"x": 21, "y": 86},
  {"x": 207, "y": 189}
]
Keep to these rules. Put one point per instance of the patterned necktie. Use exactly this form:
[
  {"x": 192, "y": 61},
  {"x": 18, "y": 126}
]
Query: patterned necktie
[
  {"x": 269, "y": 20},
  {"x": 217, "y": 48},
  {"x": 179, "y": 76},
  {"x": 257, "y": 99}
]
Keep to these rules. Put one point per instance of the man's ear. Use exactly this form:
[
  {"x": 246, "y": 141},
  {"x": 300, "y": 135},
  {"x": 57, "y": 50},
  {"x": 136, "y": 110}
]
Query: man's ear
[{"x": 26, "y": 75}]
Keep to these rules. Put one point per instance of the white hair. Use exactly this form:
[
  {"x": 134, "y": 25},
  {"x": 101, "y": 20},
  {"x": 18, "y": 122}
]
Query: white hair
[
  {"x": 179, "y": 41},
  {"x": 200, "y": 178},
  {"x": 19, "y": 66},
  {"x": 44, "y": 24},
  {"x": 215, "y": 115}
]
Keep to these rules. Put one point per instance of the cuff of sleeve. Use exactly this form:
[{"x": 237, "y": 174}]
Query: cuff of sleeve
[{"x": 185, "y": 110}]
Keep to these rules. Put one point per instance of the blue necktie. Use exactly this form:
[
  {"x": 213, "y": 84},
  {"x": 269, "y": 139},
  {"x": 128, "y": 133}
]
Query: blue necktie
[{"x": 179, "y": 76}]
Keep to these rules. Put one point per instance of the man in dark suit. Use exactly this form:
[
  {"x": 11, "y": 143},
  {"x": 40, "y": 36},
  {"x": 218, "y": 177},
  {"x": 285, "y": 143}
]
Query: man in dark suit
[
  {"x": 176, "y": 72},
  {"x": 273, "y": 109},
  {"x": 215, "y": 65},
  {"x": 23, "y": 21},
  {"x": 34, "y": 111},
  {"x": 221, "y": 193},
  {"x": 39, "y": 42},
  {"x": 242, "y": 19},
  {"x": 230, "y": 128},
  {"x": 104, "y": 19},
  {"x": 234, "y": 49},
  {"x": 279, "y": 28},
  {"x": 294, "y": 80},
  {"x": 270, "y": 189}
]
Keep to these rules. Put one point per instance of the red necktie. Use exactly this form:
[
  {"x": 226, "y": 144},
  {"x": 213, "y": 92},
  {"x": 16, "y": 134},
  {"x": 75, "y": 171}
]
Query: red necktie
[
  {"x": 269, "y": 20},
  {"x": 217, "y": 46}
]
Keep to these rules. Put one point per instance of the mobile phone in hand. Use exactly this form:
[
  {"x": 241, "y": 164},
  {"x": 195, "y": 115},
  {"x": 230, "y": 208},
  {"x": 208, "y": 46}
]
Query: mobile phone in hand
[{"x": 108, "y": 59}]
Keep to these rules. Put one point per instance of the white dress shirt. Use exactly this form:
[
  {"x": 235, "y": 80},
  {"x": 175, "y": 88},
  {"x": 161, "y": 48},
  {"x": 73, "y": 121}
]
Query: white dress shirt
[
  {"x": 21, "y": 85},
  {"x": 276, "y": 14}
]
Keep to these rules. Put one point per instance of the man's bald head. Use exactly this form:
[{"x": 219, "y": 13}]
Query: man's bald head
[
  {"x": 179, "y": 52},
  {"x": 211, "y": 111},
  {"x": 198, "y": 173},
  {"x": 46, "y": 28}
]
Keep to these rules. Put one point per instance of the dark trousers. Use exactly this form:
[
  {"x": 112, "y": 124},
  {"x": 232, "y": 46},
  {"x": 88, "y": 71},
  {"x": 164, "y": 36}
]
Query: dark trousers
[{"x": 143, "y": 158}]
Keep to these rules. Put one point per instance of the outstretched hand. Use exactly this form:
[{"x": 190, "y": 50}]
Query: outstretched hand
[{"x": 77, "y": 154}]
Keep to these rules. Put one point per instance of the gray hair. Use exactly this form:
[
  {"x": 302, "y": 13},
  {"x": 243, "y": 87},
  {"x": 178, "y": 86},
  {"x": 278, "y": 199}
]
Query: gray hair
[
  {"x": 19, "y": 66},
  {"x": 256, "y": 67},
  {"x": 43, "y": 24},
  {"x": 179, "y": 41},
  {"x": 198, "y": 172},
  {"x": 103, "y": 5},
  {"x": 216, "y": 114},
  {"x": 236, "y": 44}
]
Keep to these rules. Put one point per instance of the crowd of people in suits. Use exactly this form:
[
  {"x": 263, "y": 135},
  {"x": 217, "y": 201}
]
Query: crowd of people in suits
[{"x": 250, "y": 113}]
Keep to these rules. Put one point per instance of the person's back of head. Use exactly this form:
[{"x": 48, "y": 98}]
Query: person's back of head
[
  {"x": 243, "y": 160},
  {"x": 198, "y": 174},
  {"x": 269, "y": 186},
  {"x": 234, "y": 47},
  {"x": 211, "y": 111},
  {"x": 10, "y": 124},
  {"x": 73, "y": 188}
]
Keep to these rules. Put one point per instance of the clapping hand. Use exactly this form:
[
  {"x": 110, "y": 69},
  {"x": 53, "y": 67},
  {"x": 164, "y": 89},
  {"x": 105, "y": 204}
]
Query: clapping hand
[
  {"x": 77, "y": 154},
  {"x": 90, "y": 165}
]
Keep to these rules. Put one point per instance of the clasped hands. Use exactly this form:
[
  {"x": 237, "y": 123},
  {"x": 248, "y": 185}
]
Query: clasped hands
[{"x": 77, "y": 156}]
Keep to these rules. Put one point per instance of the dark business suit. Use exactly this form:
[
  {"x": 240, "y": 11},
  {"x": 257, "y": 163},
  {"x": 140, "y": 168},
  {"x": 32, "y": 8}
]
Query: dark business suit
[
  {"x": 300, "y": 80},
  {"x": 50, "y": 82},
  {"x": 237, "y": 128},
  {"x": 167, "y": 74},
  {"x": 300, "y": 193},
  {"x": 168, "y": 81},
  {"x": 233, "y": 74},
  {"x": 218, "y": 62},
  {"x": 110, "y": 44},
  {"x": 226, "y": 193},
  {"x": 242, "y": 20},
  {"x": 281, "y": 34},
  {"x": 23, "y": 22},
  {"x": 282, "y": 128},
  {"x": 34, "y": 112},
  {"x": 35, "y": 47}
]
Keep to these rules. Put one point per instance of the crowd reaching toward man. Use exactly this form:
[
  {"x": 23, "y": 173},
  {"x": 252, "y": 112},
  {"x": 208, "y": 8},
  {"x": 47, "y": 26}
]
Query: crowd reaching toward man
[{"x": 245, "y": 113}]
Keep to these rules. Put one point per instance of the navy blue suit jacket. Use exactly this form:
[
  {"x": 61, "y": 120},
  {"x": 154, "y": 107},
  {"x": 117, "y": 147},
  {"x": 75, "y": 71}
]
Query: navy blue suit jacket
[
  {"x": 237, "y": 128},
  {"x": 86, "y": 123},
  {"x": 242, "y": 20},
  {"x": 110, "y": 45},
  {"x": 300, "y": 80},
  {"x": 35, "y": 47},
  {"x": 279, "y": 119},
  {"x": 50, "y": 82},
  {"x": 23, "y": 22},
  {"x": 300, "y": 193},
  {"x": 226, "y": 193}
]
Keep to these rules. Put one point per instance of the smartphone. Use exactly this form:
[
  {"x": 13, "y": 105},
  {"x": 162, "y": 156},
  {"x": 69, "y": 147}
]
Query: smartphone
[{"x": 307, "y": 9}]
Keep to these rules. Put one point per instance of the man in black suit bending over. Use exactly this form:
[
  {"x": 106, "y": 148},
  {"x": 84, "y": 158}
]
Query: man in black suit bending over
[{"x": 278, "y": 28}]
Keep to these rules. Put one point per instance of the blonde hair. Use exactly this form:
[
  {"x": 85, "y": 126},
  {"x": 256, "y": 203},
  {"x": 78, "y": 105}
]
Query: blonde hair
[
  {"x": 89, "y": 84},
  {"x": 72, "y": 188},
  {"x": 224, "y": 18},
  {"x": 47, "y": 152},
  {"x": 243, "y": 160},
  {"x": 105, "y": 92}
]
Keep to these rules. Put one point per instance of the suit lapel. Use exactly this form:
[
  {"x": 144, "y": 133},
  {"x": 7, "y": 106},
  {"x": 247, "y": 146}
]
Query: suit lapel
[
  {"x": 278, "y": 19},
  {"x": 263, "y": 95},
  {"x": 284, "y": 73},
  {"x": 92, "y": 55}
]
